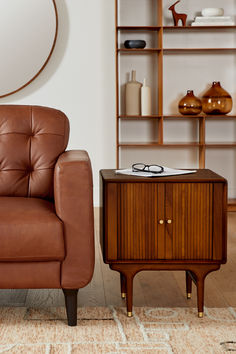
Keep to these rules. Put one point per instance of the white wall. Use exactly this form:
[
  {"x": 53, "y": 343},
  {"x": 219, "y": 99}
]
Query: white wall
[{"x": 80, "y": 80}]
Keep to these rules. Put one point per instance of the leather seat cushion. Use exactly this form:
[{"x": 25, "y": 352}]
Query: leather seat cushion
[{"x": 30, "y": 230}]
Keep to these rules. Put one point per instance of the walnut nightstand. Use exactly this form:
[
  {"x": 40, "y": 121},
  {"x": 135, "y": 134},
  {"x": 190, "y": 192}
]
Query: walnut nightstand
[{"x": 164, "y": 223}]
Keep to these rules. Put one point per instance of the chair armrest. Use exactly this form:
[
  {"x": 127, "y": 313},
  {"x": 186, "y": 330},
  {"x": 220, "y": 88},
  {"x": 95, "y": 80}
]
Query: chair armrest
[{"x": 73, "y": 193}]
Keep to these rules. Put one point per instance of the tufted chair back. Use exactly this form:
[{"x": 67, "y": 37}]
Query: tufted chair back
[{"x": 31, "y": 139}]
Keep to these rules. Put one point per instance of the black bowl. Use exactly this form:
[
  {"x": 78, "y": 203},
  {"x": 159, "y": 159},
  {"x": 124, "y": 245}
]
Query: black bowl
[{"x": 134, "y": 43}]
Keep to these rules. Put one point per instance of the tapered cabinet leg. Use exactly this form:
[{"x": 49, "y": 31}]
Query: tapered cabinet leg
[
  {"x": 198, "y": 275},
  {"x": 71, "y": 305},
  {"x": 200, "y": 295},
  {"x": 188, "y": 285},
  {"x": 127, "y": 273},
  {"x": 129, "y": 293},
  {"x": 123, "y": 286}
]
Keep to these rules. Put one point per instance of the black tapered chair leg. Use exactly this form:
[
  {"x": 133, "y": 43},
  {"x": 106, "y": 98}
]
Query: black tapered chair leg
[{"x": 71, "y": 305}]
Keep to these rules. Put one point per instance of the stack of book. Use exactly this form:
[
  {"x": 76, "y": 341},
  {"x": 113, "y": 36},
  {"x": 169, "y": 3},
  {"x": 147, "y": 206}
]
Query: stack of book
[{"x": 213, "y": 21}]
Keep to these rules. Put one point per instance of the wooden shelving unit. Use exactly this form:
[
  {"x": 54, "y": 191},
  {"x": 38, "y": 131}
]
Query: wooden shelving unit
[{"x": 160, "y": 51}]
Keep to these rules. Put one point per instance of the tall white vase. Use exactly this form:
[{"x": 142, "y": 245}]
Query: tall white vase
[{"x": 146, "y": 100}]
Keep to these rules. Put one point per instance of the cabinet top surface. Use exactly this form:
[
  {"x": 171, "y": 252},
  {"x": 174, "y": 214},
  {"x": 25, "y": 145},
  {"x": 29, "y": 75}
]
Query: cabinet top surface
[{"x": 201, "y": 175}]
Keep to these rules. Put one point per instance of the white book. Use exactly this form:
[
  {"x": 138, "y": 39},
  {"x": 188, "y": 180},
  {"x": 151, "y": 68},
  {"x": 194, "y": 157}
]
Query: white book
[
  {"x": 167, "y": 172},
  {"x": 200, "y": 24},
  {"x": 213, "y": 19}
]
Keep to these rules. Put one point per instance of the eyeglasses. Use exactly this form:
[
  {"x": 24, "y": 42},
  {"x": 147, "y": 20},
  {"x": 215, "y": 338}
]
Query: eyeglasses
[{"x": 141, "y": 167}]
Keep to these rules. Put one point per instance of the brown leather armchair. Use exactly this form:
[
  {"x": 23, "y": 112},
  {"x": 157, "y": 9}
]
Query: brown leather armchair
[{"x": 46, "y": 205}]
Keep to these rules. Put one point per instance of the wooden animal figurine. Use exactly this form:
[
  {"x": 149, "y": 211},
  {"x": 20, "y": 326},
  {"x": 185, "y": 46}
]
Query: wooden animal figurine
[{"x": 177, "y": 17}]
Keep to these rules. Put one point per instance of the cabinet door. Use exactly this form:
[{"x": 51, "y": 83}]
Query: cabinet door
[
  {"x": 189, "y": 206},
  {"x": 140, "y": 236},
  {"x": 134, "y": 215}
]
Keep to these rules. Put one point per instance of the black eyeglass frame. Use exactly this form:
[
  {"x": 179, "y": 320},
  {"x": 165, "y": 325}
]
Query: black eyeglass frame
[{"x": 146, "y": 168}]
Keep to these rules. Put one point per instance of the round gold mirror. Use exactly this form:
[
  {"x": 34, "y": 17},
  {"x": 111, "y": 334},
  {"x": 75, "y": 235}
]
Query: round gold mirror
[{"x": 28, "y": 31}]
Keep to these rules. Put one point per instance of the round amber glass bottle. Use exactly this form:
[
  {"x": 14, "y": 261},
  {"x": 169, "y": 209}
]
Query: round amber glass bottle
[
  {"x": 216, "y": 100},
  {"x": 190, "y": 104}
]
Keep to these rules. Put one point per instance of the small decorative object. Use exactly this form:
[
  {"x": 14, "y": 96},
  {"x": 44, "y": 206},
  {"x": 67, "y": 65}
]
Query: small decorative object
[
  {"x": 134, "y": 43},
  {"x": 216, "y": 100},
  {"x": 146, "y": 100},
  {"x": 133, "y": 96},
  {"x": 190, "y": 104},
  {"x": 178, "y": 17},
  {"x": 213, "y": 17},
  {"x": 212, "y": 11},
  {"x": 213, "y": 21}
]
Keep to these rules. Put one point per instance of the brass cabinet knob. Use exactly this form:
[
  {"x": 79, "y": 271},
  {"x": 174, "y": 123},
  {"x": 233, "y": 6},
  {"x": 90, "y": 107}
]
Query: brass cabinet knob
[
  {"x": 161, "y": 221},
  {"x": 169, "y": 221}
]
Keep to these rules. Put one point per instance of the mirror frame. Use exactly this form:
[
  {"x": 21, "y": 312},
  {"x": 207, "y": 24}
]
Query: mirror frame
[{"x": 46, "y": 61}]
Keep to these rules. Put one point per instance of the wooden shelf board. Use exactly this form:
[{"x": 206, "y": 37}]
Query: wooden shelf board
[
  {"x": 149, "y": 144},
  {"x": 139, "y": 117},
  {"x": 196, "y": 27},
  {"x": 179, "y": 144},
  {"x": 138, "y": 50},
  {"x": 134, "y": 144},
  {"x": 220, "y": 117},
  {"x": 175, "y": 28},
  {"x": 220, "y": 145},
  {"x": 172, "y": 50},
  {"x": 176, "y": 50},
  {"x": 138, "y": 28},
  {"x": 177, "y": 116}
]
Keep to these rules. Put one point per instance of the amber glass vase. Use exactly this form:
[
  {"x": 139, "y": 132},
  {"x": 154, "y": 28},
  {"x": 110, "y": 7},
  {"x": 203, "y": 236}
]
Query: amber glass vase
[
  {"x": 190, "y": 104},
  {"x": 216, "y": 100}
]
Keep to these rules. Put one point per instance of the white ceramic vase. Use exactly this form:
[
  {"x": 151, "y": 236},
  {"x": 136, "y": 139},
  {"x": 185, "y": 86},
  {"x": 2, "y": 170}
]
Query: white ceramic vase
[{"x": 146, "y": 100}]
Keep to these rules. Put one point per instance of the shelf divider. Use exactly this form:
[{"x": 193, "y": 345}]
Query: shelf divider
[
  {"x": 117, "y": 89},
  {"x": 160, "y": 132},
  {"x": 202, "y": 147}
]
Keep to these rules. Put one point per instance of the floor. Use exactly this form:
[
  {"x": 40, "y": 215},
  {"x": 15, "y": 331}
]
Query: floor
[{"x": 152, "y": 289}]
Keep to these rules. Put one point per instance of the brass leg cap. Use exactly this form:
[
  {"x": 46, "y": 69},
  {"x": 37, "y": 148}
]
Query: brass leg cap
[
  {"x": 189, "y": 295},
  {"x": 123, "y": 295},
  {"x": 129, "y": 314},
  {"x": 200, "y": 314}
]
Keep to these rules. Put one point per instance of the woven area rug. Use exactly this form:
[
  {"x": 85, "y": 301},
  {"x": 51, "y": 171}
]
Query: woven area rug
[{"x": 108, "y": 330}]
